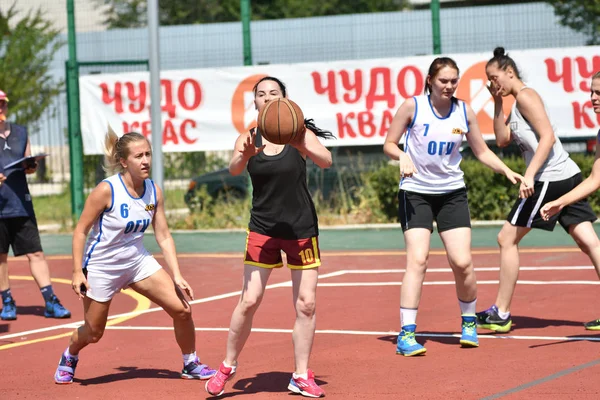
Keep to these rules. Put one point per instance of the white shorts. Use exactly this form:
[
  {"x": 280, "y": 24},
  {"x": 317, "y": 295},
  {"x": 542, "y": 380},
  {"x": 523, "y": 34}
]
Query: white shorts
[{"x": 105, "y": 283}]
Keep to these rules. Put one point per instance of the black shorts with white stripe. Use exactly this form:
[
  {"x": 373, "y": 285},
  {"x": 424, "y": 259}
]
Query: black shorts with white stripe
[
  {"x": 448, "y": 210},
  {"x": 526, "y": 212}
]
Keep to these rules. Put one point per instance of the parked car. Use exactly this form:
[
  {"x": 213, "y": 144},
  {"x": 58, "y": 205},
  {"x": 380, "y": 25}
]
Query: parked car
[{"x": 343, "y": 177}]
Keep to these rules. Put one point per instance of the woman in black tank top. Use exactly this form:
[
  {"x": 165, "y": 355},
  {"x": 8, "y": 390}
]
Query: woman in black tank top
[{"x": 283, "y": 218}]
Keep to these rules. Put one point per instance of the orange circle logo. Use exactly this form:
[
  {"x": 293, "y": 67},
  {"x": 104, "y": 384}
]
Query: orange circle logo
[
  {"x": 243, "y": 114},
  {"x": 472, "y": 89}
]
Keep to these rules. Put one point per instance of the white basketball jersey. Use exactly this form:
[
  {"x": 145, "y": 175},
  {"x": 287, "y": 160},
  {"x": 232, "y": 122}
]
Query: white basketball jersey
[
  {"x": 433, "y": 144},
  {"x": 558, "y": 166},
  {"x": 116, "y": 239}
]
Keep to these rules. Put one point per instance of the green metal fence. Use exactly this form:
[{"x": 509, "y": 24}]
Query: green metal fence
[{"x": 93, "y": 49}]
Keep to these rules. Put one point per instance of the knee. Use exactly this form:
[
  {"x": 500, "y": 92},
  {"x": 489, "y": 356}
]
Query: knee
[
  {"x": 462, "y": 265},
  {"x": 182, "y": 314},
  {"x": 95, "y": 334},
  {"x": 505, "y": 239},
  {"x": 249, "y": 304},
  {"x": 306, "y": 306},
  {"x": 587, "y": 246},
  {"x": 418, "y": 264},
  {"x": 37, "y": 256}
]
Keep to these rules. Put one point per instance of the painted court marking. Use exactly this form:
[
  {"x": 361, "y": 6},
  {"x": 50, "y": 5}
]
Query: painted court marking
[
  {"x": 545, "y": 379},
  {"x": 143, "y": 305},
  {"x": 239, "y": 255},
  {"x": 370, "y": 333}
]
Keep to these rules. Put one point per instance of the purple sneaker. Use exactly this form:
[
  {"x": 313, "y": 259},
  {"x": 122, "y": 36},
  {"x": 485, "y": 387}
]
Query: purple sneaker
[
  {"x": 195, "y": 370},
  {"x": 66, "y": 370}
]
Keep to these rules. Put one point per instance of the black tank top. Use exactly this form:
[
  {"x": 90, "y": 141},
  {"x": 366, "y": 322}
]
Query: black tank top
[{"x": 281, "y": 203}]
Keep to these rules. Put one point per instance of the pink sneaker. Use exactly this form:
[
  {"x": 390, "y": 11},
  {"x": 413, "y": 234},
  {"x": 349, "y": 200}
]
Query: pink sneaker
[
  {"x": 66, "y": 370},
  {"x": 216, "y": 384},
  {"x": 306, "y": 387}
]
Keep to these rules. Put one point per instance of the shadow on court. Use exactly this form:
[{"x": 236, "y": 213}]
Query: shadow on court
[
  {"x": 431, "y": 337},
  {"x": 264, "y": 382},
  {"x": 527, "y": 322},
  {"x": 4, "y": 328},
  {"x": 595, "y": 337},
  {"x": 128, "y": 373},
  {"x": 31, "y": 310}
]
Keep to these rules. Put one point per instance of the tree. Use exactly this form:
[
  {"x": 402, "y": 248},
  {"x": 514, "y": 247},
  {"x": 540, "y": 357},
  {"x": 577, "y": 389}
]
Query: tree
[
  {"x": 132, "y": 13},
  {"x": 27, "y": 47},
  {"x": 580, "y": 15}
]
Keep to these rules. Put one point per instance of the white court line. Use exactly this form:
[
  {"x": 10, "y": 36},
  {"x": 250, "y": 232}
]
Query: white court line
[
  {"x": 365, "y": 333},
  {"x": 73, "y": 325},
  {"x": 442, "y": 283},
  {"x": 482, "y": 269}
]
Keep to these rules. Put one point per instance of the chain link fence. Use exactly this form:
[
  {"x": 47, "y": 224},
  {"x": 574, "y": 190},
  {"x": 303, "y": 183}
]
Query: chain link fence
[{"x": 344, "y": 37}]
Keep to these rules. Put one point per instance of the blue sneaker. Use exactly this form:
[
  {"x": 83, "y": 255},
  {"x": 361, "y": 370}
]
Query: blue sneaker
[
  {"x": 9, "y": 310},
  {"x": 407, "y": 344},
  {"x": 56, "y": 310},
  {"x": 468, "y": 337},
  {"x": 195, "y": 370}
]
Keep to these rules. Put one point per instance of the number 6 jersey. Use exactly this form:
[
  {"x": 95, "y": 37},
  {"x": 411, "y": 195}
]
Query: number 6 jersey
[
  {"x": 433, "y": 144},
  {"x": 116, "y": 239}
]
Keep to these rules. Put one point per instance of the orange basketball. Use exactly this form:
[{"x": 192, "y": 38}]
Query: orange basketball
[{"x": 280, "y": 121}]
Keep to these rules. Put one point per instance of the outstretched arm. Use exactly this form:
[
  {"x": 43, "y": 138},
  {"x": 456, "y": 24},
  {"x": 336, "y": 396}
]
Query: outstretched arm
[
  {"x": 167, "y": 244},
  {"x": 483, "y": 152},
  {"x": 581, "y": 191},
  {"x": 402, "y": 119},
  {"x": 532, "y": 108},
  {"x": 309, "y": 146},
  {"x": 245, "y": 147},
  {"x": 100, "y": 199}
]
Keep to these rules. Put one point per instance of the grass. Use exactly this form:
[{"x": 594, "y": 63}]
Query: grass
[
  {"x": 352, "y": 202},
  {"x": 56, "y": 209}
]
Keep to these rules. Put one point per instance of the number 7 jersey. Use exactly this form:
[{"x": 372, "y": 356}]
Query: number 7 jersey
[
  {"x": 116, "y": 238},
  {"x": 433, "y": 144}
]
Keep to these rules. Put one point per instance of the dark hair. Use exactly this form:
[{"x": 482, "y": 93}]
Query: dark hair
[
  {"x": 436, "y": 66},
  {"x": 596, "y": 75},
  {"x": 309, "y": 123},
  {"x": 504, "y": 61}
]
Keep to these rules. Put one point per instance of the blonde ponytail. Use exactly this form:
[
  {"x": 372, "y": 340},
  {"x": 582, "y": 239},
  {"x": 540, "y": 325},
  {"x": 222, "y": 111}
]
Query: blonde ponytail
[
  {"x": 116, "y": 148},
  {"x": 111, "y": 162}
]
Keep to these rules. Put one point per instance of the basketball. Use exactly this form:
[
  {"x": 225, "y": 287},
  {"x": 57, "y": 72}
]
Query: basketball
[{"x": 280, "y": 121}]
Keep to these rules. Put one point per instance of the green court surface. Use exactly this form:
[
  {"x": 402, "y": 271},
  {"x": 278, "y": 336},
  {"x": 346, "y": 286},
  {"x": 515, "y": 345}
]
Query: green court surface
[{"x": 381, "y": 238}]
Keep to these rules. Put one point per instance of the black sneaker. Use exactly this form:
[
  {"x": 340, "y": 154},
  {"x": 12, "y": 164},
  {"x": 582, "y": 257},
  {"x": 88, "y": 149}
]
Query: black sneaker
[
  {"x": 489, "y": 319},
  {"x": 593, "y": 325}
]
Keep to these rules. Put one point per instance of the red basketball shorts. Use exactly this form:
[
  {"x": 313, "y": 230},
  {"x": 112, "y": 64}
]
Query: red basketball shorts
[{"x": 265, "y": 251}]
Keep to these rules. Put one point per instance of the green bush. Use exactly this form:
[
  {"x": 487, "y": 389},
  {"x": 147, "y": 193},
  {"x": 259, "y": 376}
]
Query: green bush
[{"x": 491, "y": 195}]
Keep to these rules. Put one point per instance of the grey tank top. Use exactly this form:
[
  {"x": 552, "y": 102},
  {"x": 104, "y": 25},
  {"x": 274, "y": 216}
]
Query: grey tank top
[{"x": 558, "y": 165}]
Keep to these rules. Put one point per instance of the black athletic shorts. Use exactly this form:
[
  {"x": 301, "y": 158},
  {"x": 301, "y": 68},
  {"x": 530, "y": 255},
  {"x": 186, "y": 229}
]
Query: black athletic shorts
[
  {"x": 526, "y": 212},
  {"x": 448, "y": 210},
  {"x": 21, "y": 233}
]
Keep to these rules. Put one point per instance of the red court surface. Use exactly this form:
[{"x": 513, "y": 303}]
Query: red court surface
[{"x": 547, "y": 355}]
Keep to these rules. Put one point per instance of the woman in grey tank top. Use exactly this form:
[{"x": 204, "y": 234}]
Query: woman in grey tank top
[
  {"x": 587, "y": 187},
  {"x": 550, "y": 174}
]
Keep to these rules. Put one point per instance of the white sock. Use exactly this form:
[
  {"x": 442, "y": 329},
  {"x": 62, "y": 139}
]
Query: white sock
[
  {"x": 303, "y": 376},
  {"x": 503, "y": 314},
  {"x": 188, "y": 358},
  {"x": 408, "y": 316},
  {"x": 67, "y": 354},
  {"x": 469, "y": 308}
]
